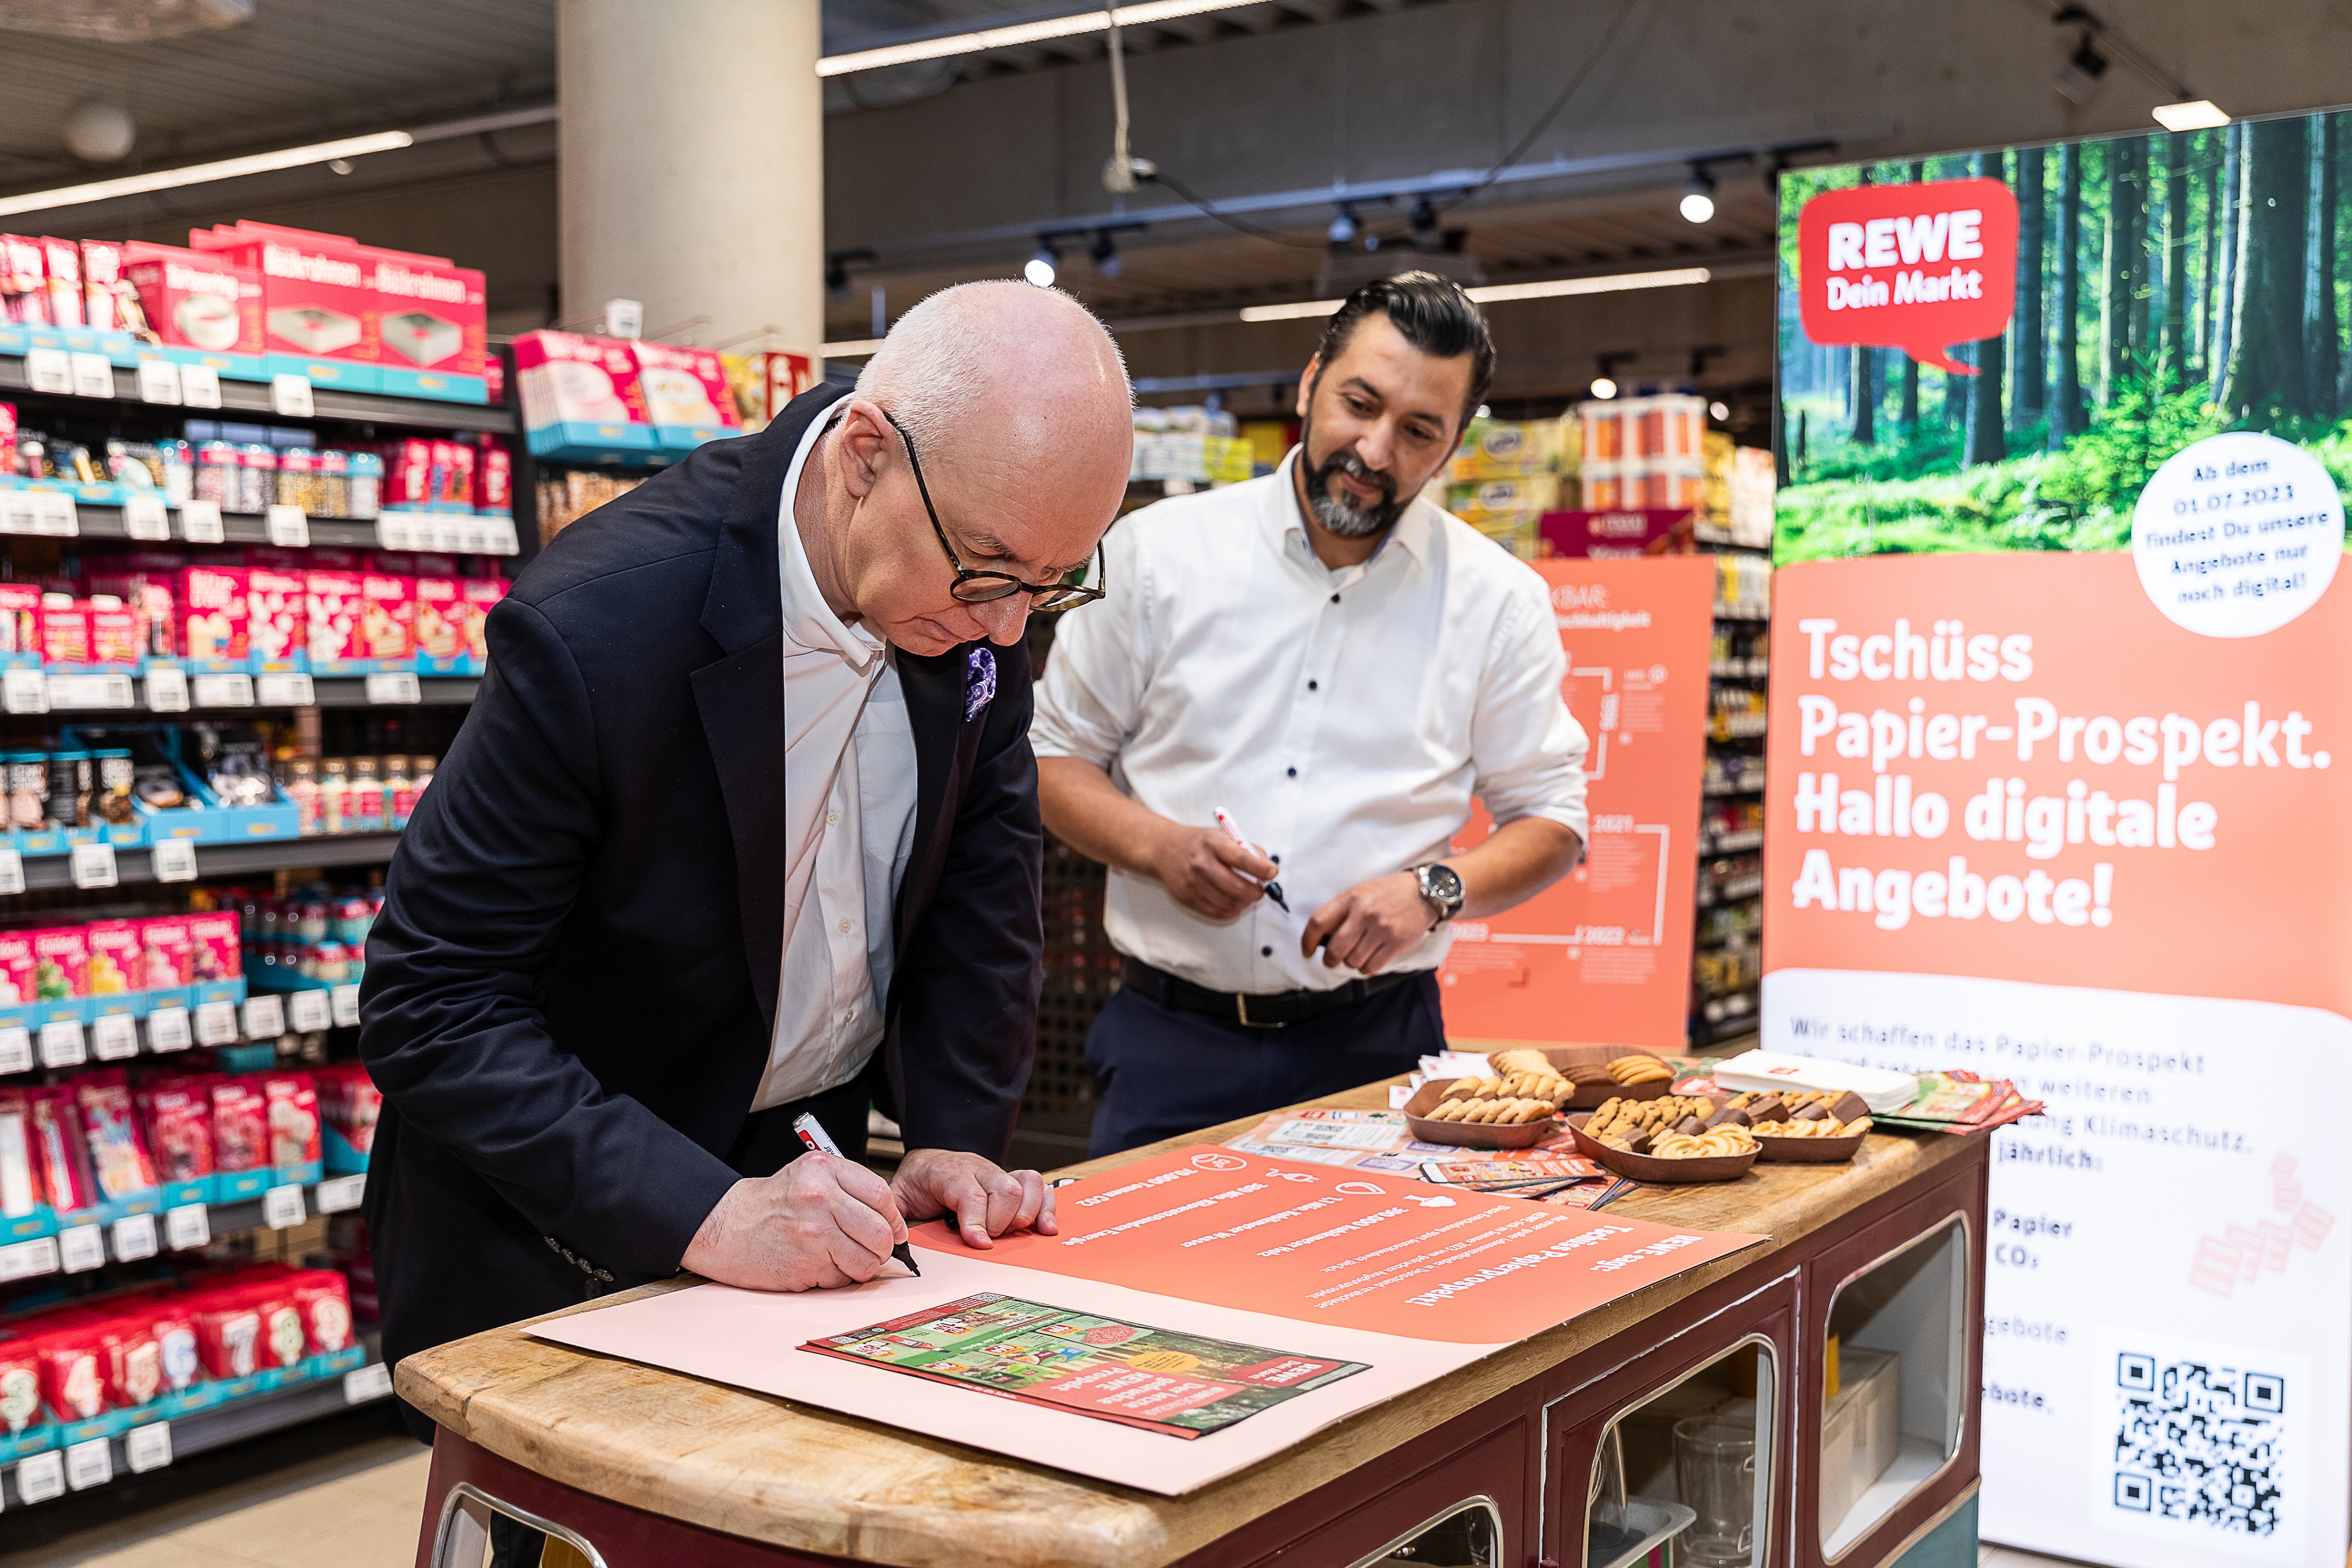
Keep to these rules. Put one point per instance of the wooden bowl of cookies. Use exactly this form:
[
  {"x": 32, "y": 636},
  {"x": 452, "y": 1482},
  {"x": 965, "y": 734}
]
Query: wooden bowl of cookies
[
  {"x": 1441, "y": 1112},
  {"x": 1801, "y": 1128},
  {"x": 1599, "y": 1073},
  {"x": 1666, "y": 1140}
]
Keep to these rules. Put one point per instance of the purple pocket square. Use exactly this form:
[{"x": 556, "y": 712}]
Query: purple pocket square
[{"x": 978, "y": 681}]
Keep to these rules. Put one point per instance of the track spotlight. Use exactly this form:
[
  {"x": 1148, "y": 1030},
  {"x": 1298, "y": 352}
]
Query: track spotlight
[
  {"x": 1105, "y": 252},
  {"x": 1698, "y": 198},
  {"x": 2079, "y": 77},
  {"x": 1604, "y": 387},
  {"x": 1426, "y": 234},
  {"x": 837, "y": 277},
  {"x": 1042, "y": 267},
  {"x": 1343, "y": 226},
  {"x": 1719, "y": 411}
]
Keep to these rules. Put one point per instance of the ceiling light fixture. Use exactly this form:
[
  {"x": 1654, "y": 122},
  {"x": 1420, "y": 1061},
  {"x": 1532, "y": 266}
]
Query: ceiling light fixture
[
  {"x": 1698, "y": 196},
  {"x": 2198, "y": 114},
  {"x": 1719, "y": 411},
  {"x": 1343, "y": 228},
  {"x": 2078, "y": 77},
  {"x": 203, "y": 174},
  {"x": 1603, "y": 388},
  {"x": 1105, "y": 255},
  {"x": 1098, "y": 20},
  {"x": 1042, "y": 268},
  {"x": 1500, "y": 293}
]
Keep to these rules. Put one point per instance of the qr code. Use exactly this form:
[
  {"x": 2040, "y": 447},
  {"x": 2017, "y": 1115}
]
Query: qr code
[{"x": 2199, "y": 1442}]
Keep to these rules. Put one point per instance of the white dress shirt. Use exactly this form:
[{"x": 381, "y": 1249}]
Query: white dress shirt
[
  {"x": 849, "y": 826},
  {"x": 1345, "y": 718}
]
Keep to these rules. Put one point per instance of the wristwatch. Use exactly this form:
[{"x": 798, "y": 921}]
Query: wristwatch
[{"x": 1441, "y": 889}]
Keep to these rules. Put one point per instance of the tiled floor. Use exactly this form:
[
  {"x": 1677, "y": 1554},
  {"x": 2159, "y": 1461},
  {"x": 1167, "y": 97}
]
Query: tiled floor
[{"x": 356, "y": 1509}]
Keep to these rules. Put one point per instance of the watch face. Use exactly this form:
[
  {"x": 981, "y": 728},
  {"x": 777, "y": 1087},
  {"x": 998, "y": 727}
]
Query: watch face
[{"x": 1444, "y": 883}]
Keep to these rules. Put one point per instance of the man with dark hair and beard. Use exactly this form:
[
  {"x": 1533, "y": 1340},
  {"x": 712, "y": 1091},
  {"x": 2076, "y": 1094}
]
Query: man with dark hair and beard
[{"x": 1272, "y": 726}]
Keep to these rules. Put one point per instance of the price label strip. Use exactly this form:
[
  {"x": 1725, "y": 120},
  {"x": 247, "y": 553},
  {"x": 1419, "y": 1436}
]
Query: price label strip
[
  {"x": 89, "y": 1464},
  {"x": 82, "y": 1248},
  {"x": 199, "y": 386},
  {"x": 307, "y": 1010},
  {"x": 135, "y": 1237},
  {"x": 174, "y": 860},
  {"x": 159, "y": 382},
  {"x": 93, "y": 375},
  {"x": 216, "y": 1023},
  {"x": 49, "y": 370},
  {"x": 200, "y": 523},
  {"x": 290, "y": 529},
  {"x": 144, "y": 517},
  {"x": 346, "y": 1008},
  {"x": 148, "y": 1447},
  {"x": 167, "y": 1029},
  {"x": 187, "y": 1225},
  {"x": 29, "y": 1259},
  {"x": 92, "y": 864},
  {"x": 25, "y": 691},
  {"x": 11, "y": 871},
  {"x": 114, "y": 1038},
  {"x": 282, "y": 1206},
  {"x": 337, "y": 1195},
  {"x": 290, "y": 397},
  {"x": 167, "y": 690},
  {"x": 265, "y": 1017},
  {"x": 16, "y": 1049},
  {"x": 284, "y": 691},
  {"x": 91, "y": 691},
  {"x": 221, "y": 691},
  {"x": 41, "y": 1476},
  {"x": 401, "y": 687},
  {"x": 61, "y": 1044},
  {"x": 361, "y": 1384}
]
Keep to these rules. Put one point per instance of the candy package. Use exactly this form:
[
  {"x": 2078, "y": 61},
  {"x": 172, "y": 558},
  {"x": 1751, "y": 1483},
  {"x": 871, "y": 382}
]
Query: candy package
[
  {"x": 176, "y": 1116},
  {"x": 240, "y": 1125},
  {"x": 118, "y": 1155},
  {"x": 293, "y": 1107}
]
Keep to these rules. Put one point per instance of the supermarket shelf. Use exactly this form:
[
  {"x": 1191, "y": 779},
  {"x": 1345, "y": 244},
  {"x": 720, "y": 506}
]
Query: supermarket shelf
[
  {"x": 236, "y": 528},
  {"x": 1740, "y": 669},
  {"x": 1730, "y": 843},
  {"x": 289, "y": 1405},
  {"x": 1734, "y": 726},
  {"x": 48, "y": 871},
  {"x": 1742, "y": 788},
  {"x": 252, "y": 399},
  {"x": 1740, "y": 889},
  {"x": 150, "y": 1234},
  {"x": 1743, "y": 612},
  {"x": 97, "y": 693}
]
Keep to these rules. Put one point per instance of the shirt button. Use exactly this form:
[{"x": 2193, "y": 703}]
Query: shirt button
[
  {"x": 1335, "y": 598},
  {"x": 1310, "y": 686},
  {"x": 1292, "y": 772},
  {"x": 845, "y": 928},
  {"x": 1265, "y": 952},
  {"x": 832, "y": 816}
]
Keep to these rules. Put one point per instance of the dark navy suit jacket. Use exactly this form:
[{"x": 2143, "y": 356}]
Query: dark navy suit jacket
[{"x": 571, "y": 989}]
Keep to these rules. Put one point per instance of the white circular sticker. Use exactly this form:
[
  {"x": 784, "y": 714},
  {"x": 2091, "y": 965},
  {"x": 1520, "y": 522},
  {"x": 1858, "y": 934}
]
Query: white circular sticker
[{"x": 2238, "y": 534}]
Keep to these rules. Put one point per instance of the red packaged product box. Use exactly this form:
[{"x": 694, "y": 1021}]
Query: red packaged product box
[
  {"x": 323, "y": 1299},
  {"x": 493, "y": 478},
  {"x": 453, "y": 477},
  {"x": 118, "y": 959},
  {"x": 175, "y": 1325},
  {"x": 388, "y": 620},
  {"x": 228, "y": 1332},
  {"x": 109, "y": 1128},
  {"x": 213, "y": 949},
  {"x": 73, "y": 1371},
  {"x": 61, "y": 258},
  {"x": 134, "y": 1362},
  {"x": 482, "y": 594},
  {"x": 335, "y": 607},
  {"x": 163, "y": 941},
  {"x": 20, "y": 619},
  {"x": 20, "y": 1165},
  {"x": 116, "y": 635},
  {"x": 407, "y": 474},
  {"x": 240, "y": 1125},
  {"x": 195, "y": 299},
  {"x": 62, "y": 1158},
  {"x": 20, "y": 1386},
  {"x": 291, "y": 1101},
  {"x": 62, "y": 963},
  {"x": 684, "y": 386},
  {"x": 277, "y": 620},
  {"x": 19, "y": 971},
  {"x": 350, "y": 1103},
  {"x": 148, "y": 595},
  {"x": 215, "y": 626},
  {"x": 64, "y": 630},
  {"x": 434, "y": 313},
  {"x": 176, "y": 1114},
  {"x": 317, "y": 291},
  {"x": 441, "y": 613},
  {"x": 24, "y": 280},
  {"x": 102, "y": 288}
]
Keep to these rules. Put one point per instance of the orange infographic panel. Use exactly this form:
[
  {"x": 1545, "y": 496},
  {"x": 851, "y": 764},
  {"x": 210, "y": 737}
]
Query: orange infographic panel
[{"x": 1605, "y": 954}]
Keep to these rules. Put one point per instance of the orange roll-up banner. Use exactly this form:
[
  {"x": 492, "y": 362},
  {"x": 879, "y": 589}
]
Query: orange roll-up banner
[{"x": 1605, "y": 954}]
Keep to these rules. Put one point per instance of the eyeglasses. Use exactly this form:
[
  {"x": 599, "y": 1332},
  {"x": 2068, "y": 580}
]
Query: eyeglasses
[{"x": 984, "y": 587}]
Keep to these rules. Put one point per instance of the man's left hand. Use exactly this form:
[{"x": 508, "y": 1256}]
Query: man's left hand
[
  {"x": 986, "y": 1199},
  {"x": 1371, "y": 925}
]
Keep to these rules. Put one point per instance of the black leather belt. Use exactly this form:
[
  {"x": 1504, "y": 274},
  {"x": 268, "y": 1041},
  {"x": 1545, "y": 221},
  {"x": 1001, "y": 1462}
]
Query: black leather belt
[{"x": 1259, "y": 1010}]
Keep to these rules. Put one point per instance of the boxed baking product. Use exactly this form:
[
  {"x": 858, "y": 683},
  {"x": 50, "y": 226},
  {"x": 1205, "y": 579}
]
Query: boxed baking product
[
  {"x": 214, "y": 629},
  {"x": 175, "y": 1325},
  {"x": 64, "y": 630},
  {"x": 240, "y": 1123},
  {"x": 319, "y": 302},
  {"x": 118, "y": 633},
  {"x": 493, "y": 478},
  {"x": 348, "y": 1105},
  {"x": 322, "y": 1298},
  {"x": 407, "y": 475},
  {"x": 117, "y": 972},
  {"x": 61, "y": 260},
  {"x": 60, "y": 972},
  {"x": 581, "y": 399},
  {"x": 203, "y": 303},
  {"x": 685, "y": 393},
  {"x": 387, "y": 620},
  {"x": 216, "y": 959},
  {"x": 19, "y": 982},
  {"x": 334, "y": 607},
  {"x": 24, "y": 281},
  {"x": 482, "y": 595},
  {"x": 20, "y": 625},
  {"x": 118, "y": 1152},
  {"x": 291, "y": 1104},
  {"x": 442, "y": 611},
  {"x": 453, "y": 477},
  {"x": 102, "y": 288},
  {"x": 175, "y": 1116},
  {"x": 277, "y": 621},
  {"x": 433, "y": 316},
  {"x": 164, "y": 945}
]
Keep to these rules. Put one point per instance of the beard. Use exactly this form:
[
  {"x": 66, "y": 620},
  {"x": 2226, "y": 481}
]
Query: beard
[{"x": 1336, "y": 512}]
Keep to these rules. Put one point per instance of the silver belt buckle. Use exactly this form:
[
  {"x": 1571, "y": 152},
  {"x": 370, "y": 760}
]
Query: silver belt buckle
[{"x": 1240, "y": 1009}]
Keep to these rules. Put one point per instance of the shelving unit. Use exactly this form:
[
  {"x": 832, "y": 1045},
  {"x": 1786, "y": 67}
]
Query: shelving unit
[
  {"x": 254, "y": 398},
  {"x": 1727, "y": 961}
]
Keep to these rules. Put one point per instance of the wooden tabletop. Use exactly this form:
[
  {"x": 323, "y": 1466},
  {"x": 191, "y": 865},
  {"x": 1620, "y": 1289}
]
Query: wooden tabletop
[{"x": 795, "y": 1475}]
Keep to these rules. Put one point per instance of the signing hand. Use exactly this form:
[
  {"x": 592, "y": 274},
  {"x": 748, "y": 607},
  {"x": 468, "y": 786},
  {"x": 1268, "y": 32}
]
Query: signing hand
[
  {"x": 1370, "y": 925},
  {"x": 986, "y": 1200},
  {"x": 821, "y": 1221},
  {"x": 1209, "y": 874}
]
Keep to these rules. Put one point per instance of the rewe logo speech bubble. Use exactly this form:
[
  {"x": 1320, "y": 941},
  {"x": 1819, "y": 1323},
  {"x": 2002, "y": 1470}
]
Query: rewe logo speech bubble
[{"x": 1909, "y": 267}]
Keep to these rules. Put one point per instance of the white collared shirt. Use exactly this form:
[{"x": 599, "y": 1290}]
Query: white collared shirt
[
  {"x": 1345, "y": 718},
  {"x": 849, "y": 826}
]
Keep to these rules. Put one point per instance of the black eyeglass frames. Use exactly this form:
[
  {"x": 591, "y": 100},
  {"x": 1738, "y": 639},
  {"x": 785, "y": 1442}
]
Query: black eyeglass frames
[{"x": 984, "y": 587}]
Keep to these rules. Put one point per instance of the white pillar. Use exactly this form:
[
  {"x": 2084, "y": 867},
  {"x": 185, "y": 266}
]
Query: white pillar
[{"x": 692, "y": 165}]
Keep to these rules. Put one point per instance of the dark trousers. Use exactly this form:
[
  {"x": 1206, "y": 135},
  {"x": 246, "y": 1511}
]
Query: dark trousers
[{"x": 1158, "y": 1072}]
